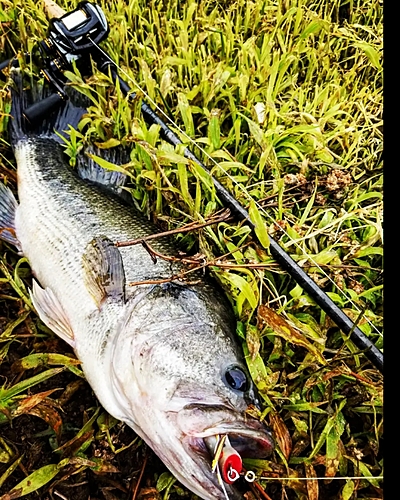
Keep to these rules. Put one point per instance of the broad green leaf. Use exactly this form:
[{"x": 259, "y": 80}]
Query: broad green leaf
[
  {"x": 282, "y": 328},
  {"x": 326, "y": 219},
  {"x": 6, "y": 394},
  {"x": 33, "y": 482},
  {"x": 363, "y": 252},
  {"x": 366, "y": 293},
  {"x": 321, "y": 440},
  {"x": 308, "y": 327},
  {"x": 214, "y": 132},
  {"x": 184, "y": 185},
  {"x": 260, "y": 225},
  {"x": 166, "y": 479},
  {"x": 348, "y": 490},
  {"x": 166, "y": 83},
  {"x": 372, "y": 54},
  {"x": 184, "y": 108},
  {"x": 331, "y": 422},
  {"x": 262, "y": 376},
  {"x": 296, "y": 292},
  {"x": 108, "y": 165},
  {"x": 171, "y": 157},
  {"x": 111, "y": 143},
  {"x": 336, "y": 298},
  {"x": 36, "y": 360},
  {"x": 332, "y": 453},
  {"x": 313, "y": 28},
  {"x": 243, "y": 285},
  {"x": 325, "y": 256},
  {"x": 243, "y": 84},
  {"x": 313, "y": 407}
]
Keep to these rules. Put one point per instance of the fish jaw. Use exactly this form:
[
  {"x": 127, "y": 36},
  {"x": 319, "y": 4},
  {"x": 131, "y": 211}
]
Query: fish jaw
[
  {"x": 182, "y": 442},
  {"x": 180, "y": 433},
  {"x": 159, "y": 377},
  {"x": 249, "y": 437}
]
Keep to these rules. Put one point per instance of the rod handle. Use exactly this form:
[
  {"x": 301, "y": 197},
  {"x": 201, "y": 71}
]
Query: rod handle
[
  {"x": 36, "y": 113},
  {"x": 52, "y": 9}
]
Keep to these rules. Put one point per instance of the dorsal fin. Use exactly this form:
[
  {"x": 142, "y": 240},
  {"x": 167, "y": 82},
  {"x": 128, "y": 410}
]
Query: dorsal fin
[{"x": 109, "y": 180}]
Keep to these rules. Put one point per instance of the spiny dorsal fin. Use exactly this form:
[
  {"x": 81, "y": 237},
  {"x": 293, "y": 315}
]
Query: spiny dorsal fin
[
  {"x": 8, "y": 208},
  {"x": 104, "y": 271},
  {"x": 51, "y": 312},
  {"x": 111, "y": 180}
]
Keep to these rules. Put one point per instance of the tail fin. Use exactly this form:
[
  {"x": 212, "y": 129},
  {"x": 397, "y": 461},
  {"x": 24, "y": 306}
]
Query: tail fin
[{"x": 26, "y": 92}]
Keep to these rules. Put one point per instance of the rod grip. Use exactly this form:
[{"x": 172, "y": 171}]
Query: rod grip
[
  {"x": 52, "y": 9},
  {"x": 36, "y": 113}
]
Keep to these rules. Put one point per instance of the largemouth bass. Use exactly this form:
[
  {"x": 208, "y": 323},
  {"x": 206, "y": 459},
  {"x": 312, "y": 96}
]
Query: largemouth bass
[{"x": 161, "y": 357}]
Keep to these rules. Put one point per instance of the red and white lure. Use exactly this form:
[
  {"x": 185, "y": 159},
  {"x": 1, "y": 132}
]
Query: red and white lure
[
  {"x": 230, "y": 463},
  {"x": 227, "y": 462}
]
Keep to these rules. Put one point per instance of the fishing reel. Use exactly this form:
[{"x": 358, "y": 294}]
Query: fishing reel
[{"x": 71, "y": 39}]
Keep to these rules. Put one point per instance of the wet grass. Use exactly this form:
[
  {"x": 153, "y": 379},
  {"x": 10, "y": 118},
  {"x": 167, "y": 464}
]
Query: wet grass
[{"x": 286, "y": 97}]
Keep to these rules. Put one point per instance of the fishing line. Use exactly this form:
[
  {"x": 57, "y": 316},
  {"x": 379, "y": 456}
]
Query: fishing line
[
  {"x": 250, "y": 476},
  {"x": 236, "y": 183},
  {"x": 217, "y": 451},
  {"x": 318, "y": 478},
  {"x": 221, "y": 482}
]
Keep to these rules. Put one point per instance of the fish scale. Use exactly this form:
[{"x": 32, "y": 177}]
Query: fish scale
[
  {"x": 81, "y": 224},
  {"x": 164, "y": 358}
]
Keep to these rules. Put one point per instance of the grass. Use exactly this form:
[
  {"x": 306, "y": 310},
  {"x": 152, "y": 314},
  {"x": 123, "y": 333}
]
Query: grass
[{"x": 286, "y": 97}]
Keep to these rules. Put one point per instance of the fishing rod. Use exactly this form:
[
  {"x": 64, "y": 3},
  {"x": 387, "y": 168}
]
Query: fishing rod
[{"x": 73, "y": 38}]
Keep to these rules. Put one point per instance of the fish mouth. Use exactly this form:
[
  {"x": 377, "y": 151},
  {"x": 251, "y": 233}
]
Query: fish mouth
[
  {"x": 248, "y": 443},
  {"x": 250, "y": 437},
  {"x": 254, "y": 440},
  {"x": 250, "y": 446}
]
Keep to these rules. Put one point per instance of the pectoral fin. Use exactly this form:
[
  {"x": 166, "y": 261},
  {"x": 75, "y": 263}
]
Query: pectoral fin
[
  {"x": 104, "y": 271},
  {"x": 51, "y": 312},
  {"x": 8, "y": 208}
]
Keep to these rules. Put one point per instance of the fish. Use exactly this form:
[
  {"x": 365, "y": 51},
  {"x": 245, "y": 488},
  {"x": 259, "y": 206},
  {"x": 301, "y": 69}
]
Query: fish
[{"x": 162, "y": 355}]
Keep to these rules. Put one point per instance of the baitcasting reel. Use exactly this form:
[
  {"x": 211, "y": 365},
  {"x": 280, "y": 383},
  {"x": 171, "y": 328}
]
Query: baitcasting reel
[{"x": 71, "y": 39}]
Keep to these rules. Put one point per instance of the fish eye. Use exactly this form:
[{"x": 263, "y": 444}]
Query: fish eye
[{"x": 236, "y": 379}]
